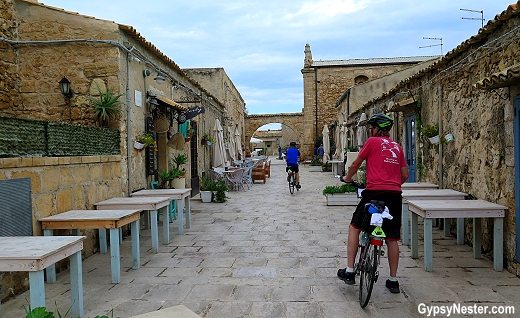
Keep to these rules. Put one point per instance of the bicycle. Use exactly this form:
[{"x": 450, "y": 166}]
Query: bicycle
[
  {"x": 370, "y": 251},
  {"x": 291, "y": 178}
]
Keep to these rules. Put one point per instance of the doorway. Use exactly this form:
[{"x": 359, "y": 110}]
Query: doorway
[{"x": 410, "y": 146}]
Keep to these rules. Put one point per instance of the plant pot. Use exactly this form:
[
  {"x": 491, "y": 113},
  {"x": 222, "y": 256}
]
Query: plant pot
[
  {"x": 138, "y": 145},
  {"x": 178, "y": 183},
  {"x": 208, "y": 143},
  {"x": 434, "y": 139},
  {"x": 206, "y": 196},
  {"x": 187, "y": 139},
  {"x": 350, "y": 199},
  {"x": 315, "y": 168},
  {"x": 448, "y": 137}
]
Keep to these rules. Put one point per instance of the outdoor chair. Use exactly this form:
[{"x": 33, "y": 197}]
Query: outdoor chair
[
  {"x": 268, "y": 168},
  {"x": 235, "y": 179},
  {"x": 248, "y": 176},
  {"x": 172, "y": 208},
  {"x": 259, "y": 173}
]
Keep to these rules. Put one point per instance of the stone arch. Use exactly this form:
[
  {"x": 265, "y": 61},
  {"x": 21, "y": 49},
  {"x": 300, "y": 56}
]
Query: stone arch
[{"x": 291, "y": 120}]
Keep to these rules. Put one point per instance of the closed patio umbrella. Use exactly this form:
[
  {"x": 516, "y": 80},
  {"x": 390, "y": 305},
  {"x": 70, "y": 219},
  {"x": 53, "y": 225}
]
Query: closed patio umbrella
[
  {"x": 219, "y": 156},
  {"x": 342, "y": 142},
  {"x": 232, "y": 147},
  {"x": 238, "y": 143},
  {"x": 326, "y": 143}
]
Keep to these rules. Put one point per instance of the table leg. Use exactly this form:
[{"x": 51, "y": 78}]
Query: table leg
[
  {"x": 477, "y": 238},
  {"x": 102, "y": 241},
  {"x": 50, "y": 270},
  {"x": 155, "y": 232},
  {"x": 447, "y": 227},
  {"x": 188, "y": 212},
  {"x": 460, "y": 231},
  {"x": 498, "y": 248},
  {"x": 136, "y": 253},
  {"x": 166, "y": 226},
  {"x": 37, "y": 290},
  {"x": 428, "y": 245},
  {"x": 115, "y": 260},
  {"x": 405, "y": 226},
  {"x": 415, "y": 236},
  {"x": 76, "y": 284},
  {"x": 180, "y": 217}
]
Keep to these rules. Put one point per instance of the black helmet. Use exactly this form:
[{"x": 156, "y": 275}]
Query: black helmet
[
  {"x": 293, "y": 143},
  {"x": 381, "y": 121}
]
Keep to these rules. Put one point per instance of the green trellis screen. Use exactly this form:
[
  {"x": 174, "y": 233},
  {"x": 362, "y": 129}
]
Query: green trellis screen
[{"x": 35, "y": 138}]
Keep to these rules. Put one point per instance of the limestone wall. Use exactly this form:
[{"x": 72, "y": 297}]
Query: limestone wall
[
  {"x": 480, "y": 160},
  {"x": 59, "y": 185}
]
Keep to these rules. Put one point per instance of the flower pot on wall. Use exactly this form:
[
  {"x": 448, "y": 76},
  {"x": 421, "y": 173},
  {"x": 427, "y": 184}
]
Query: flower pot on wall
[
  {"x": 138, "y": 145},
  {"x": 342, "y": 199},
  {"x": 434, "y": 139}
]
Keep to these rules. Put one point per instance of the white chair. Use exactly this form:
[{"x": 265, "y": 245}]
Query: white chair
[{"x": 235, "y": 179}]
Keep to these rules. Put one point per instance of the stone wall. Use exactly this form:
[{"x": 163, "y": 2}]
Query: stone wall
[
  {"x": 480, "y": 160},
  {"x": 59, "y": 185}
]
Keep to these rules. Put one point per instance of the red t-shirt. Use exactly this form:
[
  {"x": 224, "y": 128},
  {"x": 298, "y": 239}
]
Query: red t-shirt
[{"x": 385, "y": 158}]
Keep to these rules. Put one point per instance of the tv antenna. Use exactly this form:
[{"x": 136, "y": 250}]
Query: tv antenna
[
  {"x": 439, "y": 39},
  {"x": 477, "y": 11}
]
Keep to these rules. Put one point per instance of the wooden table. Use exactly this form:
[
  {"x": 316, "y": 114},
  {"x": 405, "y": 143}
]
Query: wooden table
[
  {"x": 476, "y": 209},
  {"x": 430, "y": 194},
  {"x": 150, "y": 204},
  {"x": 102, "y": 220},
  {"x": 35, "y": 253},
  {"x": 174, "y": 194},
  {"x": 418, "y": 186}
]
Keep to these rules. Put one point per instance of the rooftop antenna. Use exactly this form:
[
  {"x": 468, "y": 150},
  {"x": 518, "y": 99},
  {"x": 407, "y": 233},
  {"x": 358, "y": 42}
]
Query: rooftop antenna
[
  {"x": 477, "y": 11},
  {"x": 439, "y": 39}
]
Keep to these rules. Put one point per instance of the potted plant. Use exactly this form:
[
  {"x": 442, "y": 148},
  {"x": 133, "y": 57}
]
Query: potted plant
[
  {"x": 344, "y": 194},
  {"x": 143, "y": 140},
  {"x": 207, "y": 186},
  {"x": 315, "y": 164},
  {"x": 206, "y": 140},
  {"x": 164, "y": 176},
  {"x": 189, "y": 133},
  {"x": 432, "y": 133},
  {"x": 220, "y": 192},
  {"x": 106, "y": 106},
  {"x": 326, "y": 166},
  {"x": 177, "y": 175}
]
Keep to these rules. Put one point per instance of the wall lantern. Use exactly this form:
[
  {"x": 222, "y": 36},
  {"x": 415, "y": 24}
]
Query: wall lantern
[
  {"x": 159, "y": 78},
  {"x": 152, "y": 100},
  {"x": 65, "y": 87}
]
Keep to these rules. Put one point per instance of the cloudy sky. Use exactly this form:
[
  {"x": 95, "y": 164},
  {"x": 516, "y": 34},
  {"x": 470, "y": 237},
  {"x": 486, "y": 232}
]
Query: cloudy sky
[{"x": 260, "y": 44}]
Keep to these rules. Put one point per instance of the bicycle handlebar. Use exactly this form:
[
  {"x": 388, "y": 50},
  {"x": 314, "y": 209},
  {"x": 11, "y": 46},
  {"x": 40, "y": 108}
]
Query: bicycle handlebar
[{"x": 354, "y": 183}]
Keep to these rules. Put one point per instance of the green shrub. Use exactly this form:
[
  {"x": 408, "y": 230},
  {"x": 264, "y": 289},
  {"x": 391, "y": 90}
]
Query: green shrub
[{"x": 344, "y": 188}]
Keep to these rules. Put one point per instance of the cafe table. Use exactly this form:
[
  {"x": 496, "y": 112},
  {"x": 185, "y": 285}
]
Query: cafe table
[
  {"x": 426, "y": 194},
  {"x": 476, "y": 209},
  {"x": 101, "y": 220},
  {"x": 150, "y": 204},
  {"x": 35, "y": 253},
  {"x": 418, "y": 186},
  {"x": 179, "y": 195}
]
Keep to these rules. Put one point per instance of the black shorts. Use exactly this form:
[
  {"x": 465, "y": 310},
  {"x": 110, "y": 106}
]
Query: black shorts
[
  {"x": 393, "y": 200},
  {"x": 293, "y": 169}
]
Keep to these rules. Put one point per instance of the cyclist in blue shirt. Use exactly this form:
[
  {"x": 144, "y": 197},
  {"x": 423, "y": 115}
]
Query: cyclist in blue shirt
[{"x": 293, "y": 157}]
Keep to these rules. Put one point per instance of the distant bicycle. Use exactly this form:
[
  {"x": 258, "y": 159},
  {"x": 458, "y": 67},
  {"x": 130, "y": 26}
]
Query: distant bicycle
[{"x": 291, "y": 178}]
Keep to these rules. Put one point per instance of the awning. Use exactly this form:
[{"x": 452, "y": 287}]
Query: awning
[
  {"x": 171, "y": 103},
  {"x": 507, "y": 77}
]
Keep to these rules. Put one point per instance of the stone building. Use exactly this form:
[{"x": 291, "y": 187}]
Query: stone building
[
  {"x": 324, "y": 82},
  {"x": 473, "y": 93},
  {"x": 40, "y": 45}
]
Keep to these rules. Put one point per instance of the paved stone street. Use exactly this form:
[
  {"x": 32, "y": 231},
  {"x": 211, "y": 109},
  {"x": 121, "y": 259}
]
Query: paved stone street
[{"x": 266, "y": 253}]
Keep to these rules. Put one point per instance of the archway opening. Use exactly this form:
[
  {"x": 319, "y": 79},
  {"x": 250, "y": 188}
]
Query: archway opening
[{"x": 272, "y": 140}]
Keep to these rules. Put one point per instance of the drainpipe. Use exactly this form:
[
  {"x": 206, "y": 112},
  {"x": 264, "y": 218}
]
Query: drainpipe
[
  {"x": 439, "y": 103},
  {"x": 315, "y": 105},
  {"x": 128, "y": 141}
]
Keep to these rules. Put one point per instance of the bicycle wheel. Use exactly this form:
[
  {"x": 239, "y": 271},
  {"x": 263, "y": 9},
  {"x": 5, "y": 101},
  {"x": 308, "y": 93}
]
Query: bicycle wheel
[
  {"x": 291, "y": 183},
  {"x": 368, "y": 270}
]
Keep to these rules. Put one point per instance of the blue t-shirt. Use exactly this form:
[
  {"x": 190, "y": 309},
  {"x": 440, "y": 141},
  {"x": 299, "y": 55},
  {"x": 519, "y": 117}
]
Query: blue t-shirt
[
  {"x": 321, "y": 151},
  {"x": 292, "y": 156}
]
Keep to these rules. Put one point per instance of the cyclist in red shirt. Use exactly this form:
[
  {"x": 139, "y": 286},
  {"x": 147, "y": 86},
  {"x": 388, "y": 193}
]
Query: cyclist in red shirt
[{"x": 386, "y": 171}]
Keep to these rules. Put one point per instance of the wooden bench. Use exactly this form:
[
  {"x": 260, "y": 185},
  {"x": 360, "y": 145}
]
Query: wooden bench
[{"x": 179, "y": 311}]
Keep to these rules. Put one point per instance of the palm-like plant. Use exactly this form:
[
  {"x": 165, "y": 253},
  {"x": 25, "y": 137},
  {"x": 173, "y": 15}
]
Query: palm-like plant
[{"x": 106, "y": 107}]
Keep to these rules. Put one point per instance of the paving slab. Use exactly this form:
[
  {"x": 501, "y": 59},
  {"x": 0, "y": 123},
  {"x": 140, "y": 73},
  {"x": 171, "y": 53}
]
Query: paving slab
[{"x": 267, "y": 253}]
